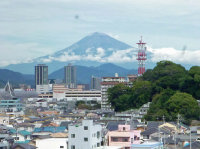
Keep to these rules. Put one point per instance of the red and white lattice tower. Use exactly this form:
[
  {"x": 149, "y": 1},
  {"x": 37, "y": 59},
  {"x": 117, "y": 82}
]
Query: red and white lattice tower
[{"x": 141, "y": 57}]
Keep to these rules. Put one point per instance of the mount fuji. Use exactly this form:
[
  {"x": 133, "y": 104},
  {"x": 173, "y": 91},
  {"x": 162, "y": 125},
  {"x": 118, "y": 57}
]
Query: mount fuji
[{"x": 91, "y": 51}]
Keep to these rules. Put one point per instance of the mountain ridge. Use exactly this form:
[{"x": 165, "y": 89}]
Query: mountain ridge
[
  {"x": 92, "y": 50},
  {"x": 84, "y": 74}
]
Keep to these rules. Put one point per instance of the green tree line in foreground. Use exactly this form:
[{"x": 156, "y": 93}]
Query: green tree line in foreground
[{"x": 170, "y": 87}]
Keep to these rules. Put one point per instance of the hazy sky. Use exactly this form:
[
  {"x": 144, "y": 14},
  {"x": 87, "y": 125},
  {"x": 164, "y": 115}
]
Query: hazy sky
[{"x": 32, "y": 28}]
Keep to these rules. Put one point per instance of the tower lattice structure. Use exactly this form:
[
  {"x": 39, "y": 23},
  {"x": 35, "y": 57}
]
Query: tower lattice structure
[{"x": 141, "y": 57}]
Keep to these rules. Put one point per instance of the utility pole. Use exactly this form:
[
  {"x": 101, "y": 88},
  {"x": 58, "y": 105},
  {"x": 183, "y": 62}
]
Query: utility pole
[
  {"x": 175, "y": 140},
  {"x": 164, "y": 132},
  {"x": 163, "y": 119},
  {"x": 190, "y": 140},
  {"x": 178, "y": 121}
]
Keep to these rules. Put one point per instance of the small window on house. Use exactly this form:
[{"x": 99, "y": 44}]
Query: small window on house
[
  {"x": 131, "y": 140},
  {"x": 124, "y": 128},
  {"x": 98, "y": 144},
  {"x": 73, "y": 147},
  {"x": 125, "y": 139},
  {"x": 86, "y": 139},
  {"x": 85, "y": 127},
  {"x": 114, "y": 139},
  {"x": 61, "y": 146},
  {"x": 72, "y": 135}
]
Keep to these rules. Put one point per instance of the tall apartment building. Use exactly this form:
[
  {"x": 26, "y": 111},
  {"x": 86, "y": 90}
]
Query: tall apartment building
[
  {"x": 95, "y": 83},
  {"x": 108, "y": 82},
  {"x": 87, "y": 135},
  {"x": 70, "y": 76},
  {"x": 41, "y": 74}
]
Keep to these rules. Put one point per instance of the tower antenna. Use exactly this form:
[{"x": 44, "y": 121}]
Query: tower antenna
[{"x": 141, "y": 57}]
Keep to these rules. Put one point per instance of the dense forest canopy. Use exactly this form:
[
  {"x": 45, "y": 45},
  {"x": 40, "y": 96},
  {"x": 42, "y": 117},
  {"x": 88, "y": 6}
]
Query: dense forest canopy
[{"x": 170, "y": 87}]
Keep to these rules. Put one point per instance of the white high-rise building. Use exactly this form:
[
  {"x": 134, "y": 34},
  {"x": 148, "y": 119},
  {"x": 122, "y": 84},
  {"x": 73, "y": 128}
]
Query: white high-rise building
[{"x": 87, "y": 135}]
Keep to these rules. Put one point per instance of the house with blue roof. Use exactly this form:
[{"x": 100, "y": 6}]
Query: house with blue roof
[
  {"x": 148, "y": 145},
  {"x": 21, "y": 136},
  {"x": 50, "y": 129}
]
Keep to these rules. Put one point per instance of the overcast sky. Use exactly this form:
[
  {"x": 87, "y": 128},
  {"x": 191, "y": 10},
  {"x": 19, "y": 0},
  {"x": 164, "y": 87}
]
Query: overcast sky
[{"x": 32, "y": 28}]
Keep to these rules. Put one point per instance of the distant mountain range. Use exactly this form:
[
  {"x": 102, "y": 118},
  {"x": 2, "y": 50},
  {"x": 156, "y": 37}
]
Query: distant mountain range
[
  {"x": 15, "y": 78},
  {"x": 93, "y": 50},
  {"x": 84, "y": 74},
  {"x": 97, "y": 54}
]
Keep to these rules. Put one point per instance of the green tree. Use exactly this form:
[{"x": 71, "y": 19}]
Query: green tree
[
  {"x": 115, "y": 92},
  {"x": 141, "y": 93},
  {"x": 192, "y": 84},
  {"x": 166, "y": 74},
  {"x": 158, "y": 106},
  {"x": 184, "y": 104}
]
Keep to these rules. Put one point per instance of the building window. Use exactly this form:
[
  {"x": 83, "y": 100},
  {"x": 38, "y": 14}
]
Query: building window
[
  {"x": 131, "y": 140},
  {"x": 136, "y": 138},
  {"x": 73, "y": 147},
  {"x": 98, "y": 134},
  {"x": 61, "y": 146},
  {"x": 86, "y": 139},
  {"x": 98, "y": 144},
  {"x": 125, "y": 140},
  {"x": 85, "y": 127},
  {"x": 114, "y": 139},
  {"x": 124, "y": 128},
  {"x": 72, "y": 135}
]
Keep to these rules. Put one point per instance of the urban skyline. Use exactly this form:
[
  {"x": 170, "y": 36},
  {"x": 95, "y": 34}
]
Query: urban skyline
[{"x": 99, "y": 74}]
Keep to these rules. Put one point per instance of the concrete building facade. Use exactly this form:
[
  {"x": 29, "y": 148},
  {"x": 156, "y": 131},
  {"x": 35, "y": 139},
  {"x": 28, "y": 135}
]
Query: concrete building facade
[
  {"x": 41, "y": 74},
  {"x": 52, "y": 143},
  {"x": 108, "y": 82},
  {"x": 124, "y": 136},
  {"x": 95, "y": 83},
  {"x": 87, "y": 135},
  {"x": 70, "y": 76}
]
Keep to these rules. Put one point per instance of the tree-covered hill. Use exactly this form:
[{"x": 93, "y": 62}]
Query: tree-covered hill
[{"x": 170, "y": 87}]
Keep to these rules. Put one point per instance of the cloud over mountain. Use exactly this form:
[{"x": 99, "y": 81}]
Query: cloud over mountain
[
  {"x": 178, "y": 56},
  {"x": 99, "y": 48}
]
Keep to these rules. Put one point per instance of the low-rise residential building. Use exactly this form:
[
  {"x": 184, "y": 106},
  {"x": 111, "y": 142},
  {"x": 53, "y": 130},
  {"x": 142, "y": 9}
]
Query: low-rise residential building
[
  {"x": 11, "y": 105},
  {"x": 86, "y": 135},
  {"x": 21, "y": 136},
  {"x": 52, "y": 143},
  {"x": 41, "y": 103},
  {"x": 4, "y": 119},
  {"x": 124, "y": 136}
]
